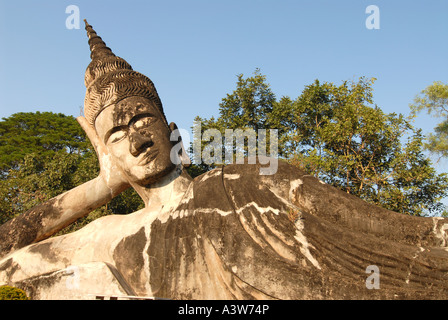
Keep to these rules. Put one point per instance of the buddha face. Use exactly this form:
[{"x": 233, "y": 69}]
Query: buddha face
[{"x": 137, "y": 137}]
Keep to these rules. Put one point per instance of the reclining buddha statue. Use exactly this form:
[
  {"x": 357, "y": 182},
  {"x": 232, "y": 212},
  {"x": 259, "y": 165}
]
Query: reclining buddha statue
[{"x": 227, "y": 234}]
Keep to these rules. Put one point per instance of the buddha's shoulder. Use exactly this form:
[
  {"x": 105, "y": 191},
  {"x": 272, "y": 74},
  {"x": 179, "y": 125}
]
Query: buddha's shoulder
[
  {"x": 248, "y": 180},
  {"x": 261, "y": 170}
]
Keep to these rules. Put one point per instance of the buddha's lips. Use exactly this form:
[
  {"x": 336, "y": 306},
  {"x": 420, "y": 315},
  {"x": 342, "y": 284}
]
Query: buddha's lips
[{"x": 148, "y": 156}]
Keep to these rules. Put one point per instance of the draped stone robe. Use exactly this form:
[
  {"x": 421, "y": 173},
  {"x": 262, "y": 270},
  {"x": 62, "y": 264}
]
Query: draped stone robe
[{"x": 239, "y": 235}]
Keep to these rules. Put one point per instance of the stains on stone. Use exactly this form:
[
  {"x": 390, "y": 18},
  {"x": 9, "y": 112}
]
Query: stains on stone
[
  {"x": 25, "y": 229},
  {"x": 158, "y": 260},
  {"x": 9, "y": 267},
  {"x": 45, "y": 250},
  {"x": 179, "y": 259},
  {"x": 5, "y": 265},
  {"x": 358, "y": 215},
  {"x": 209, "y": 192},
  {"x": 129, "y": 260},
  {"x": 262, "y": 213},
  {"x": 35, "y": 285},
  {"x": 126, "y": 109},
  {"x": 247, "y": 254},
  {"x": 119, "y": 277}
]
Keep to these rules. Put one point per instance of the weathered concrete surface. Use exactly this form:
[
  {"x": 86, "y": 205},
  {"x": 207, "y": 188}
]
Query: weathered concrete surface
[{"x": 230, "y": 236}]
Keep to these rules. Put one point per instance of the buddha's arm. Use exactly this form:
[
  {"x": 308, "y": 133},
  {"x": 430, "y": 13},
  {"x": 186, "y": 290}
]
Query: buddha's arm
[{"x": 48, "y": 218}]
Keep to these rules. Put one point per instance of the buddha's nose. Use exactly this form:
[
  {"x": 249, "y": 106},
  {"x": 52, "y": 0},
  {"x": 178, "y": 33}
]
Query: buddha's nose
[{"x": 138, "y": 143}]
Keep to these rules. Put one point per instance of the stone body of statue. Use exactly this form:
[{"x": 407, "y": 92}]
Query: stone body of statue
[{"x": 228, "y": 234}]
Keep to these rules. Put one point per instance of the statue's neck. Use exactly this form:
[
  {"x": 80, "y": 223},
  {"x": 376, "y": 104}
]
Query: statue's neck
[{"x": 167, "y": 192}]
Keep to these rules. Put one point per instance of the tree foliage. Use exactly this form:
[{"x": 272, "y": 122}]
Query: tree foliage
[
  {"x": 434, "y": 100},
  {"x": 348, "y": 142},
  {"x": 12, "y": 293},
  {"x": 43, "y": 133},
  {"x": 249, "y": 107}
]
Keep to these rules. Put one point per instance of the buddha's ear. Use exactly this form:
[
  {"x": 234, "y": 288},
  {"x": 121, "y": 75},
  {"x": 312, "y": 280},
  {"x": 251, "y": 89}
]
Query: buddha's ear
[
  {"x": 173, "y": 126},
  {"x": 183, "y": 155}
]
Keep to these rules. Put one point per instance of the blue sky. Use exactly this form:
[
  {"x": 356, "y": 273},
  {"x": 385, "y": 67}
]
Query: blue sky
[{"x": 193, "y": 50}]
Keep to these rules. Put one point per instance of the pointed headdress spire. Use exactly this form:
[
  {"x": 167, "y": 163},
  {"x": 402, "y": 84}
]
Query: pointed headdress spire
[
  {"x": 109, "y": 79},
  {"x": 97, "y": 46}
]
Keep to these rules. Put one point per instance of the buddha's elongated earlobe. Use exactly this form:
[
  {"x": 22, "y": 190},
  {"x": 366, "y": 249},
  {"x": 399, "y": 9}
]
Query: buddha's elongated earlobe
[{"x": 183, "y": 155}]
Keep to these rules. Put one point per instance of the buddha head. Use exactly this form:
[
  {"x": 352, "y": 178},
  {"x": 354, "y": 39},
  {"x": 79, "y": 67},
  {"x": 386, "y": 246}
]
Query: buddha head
[{"x": 124, "y": 108}]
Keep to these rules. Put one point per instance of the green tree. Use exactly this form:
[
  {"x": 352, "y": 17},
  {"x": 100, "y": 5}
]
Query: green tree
[
  {"x": 347, "y": 141},
  {"x": 248, "y": 107},
  {"x": 12, "y": 293},
  {"x": 43, "y": 133},
  {"x": 434, "y": 99}
]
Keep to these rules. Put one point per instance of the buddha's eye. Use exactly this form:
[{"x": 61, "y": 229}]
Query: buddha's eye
[
  {"x": 144, "y": 122},
  {"x": 117, "y": 135}
]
